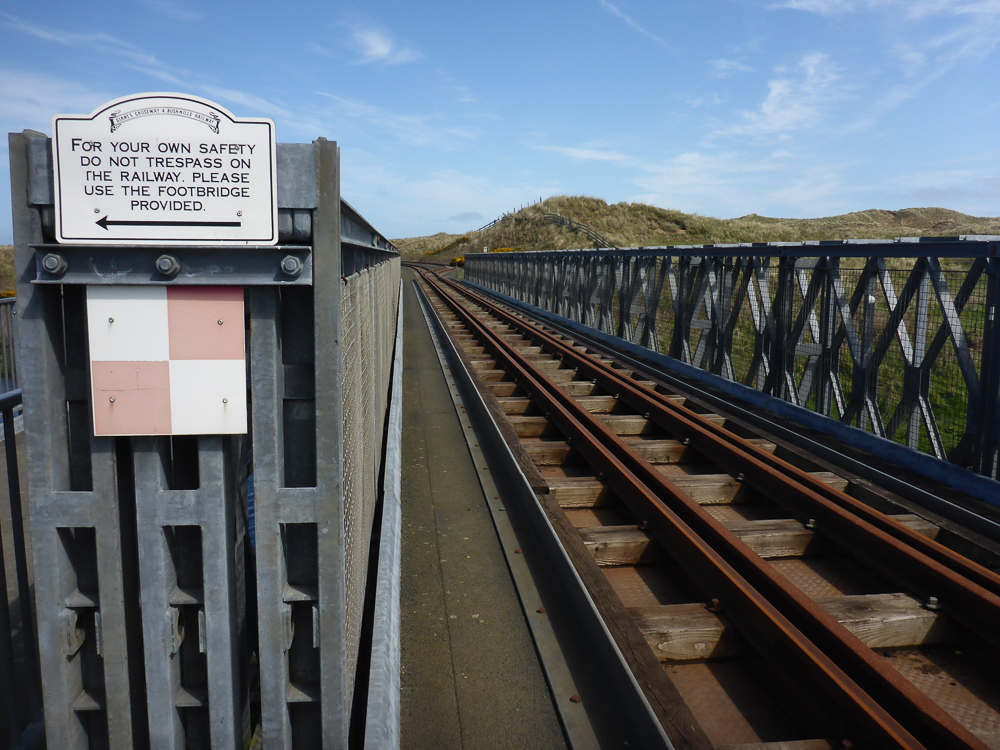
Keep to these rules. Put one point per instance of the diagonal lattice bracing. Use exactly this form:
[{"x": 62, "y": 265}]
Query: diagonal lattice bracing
[{"x": 891, "y": 337}]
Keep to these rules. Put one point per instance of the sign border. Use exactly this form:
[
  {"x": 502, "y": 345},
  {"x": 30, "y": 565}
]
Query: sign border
[{"x": 97, "y": 240}]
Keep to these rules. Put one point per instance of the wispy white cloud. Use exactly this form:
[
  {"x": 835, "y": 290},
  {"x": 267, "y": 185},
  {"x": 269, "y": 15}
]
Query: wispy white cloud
[
  {"x": 172, "y": 9},
  {"x": 67, "y": 38},
  {"x": 616, "y": 11},
  {"x": 823, "y": 7},
  {"x": 587, "y": 153},
  {"x": 31, "y": 99},
  {"x": 706, "y": 100},
  {"x": 912, "y": 10},
  {"x": 796, "y": 99},
  {"x": 928, "y": 59},
  {"x": 723, "y": 67},
  {"x": 415, "y": 130},
  {"x": 451, "y": 198},
  {"x": 377, "y": 46},
  {"x": 693, "y": 180},
  {"x": 248, "y": 102},
  {"x": 133, "y": 57},
  {"x": 319, "y": 49},
  {"x": 100, "y": 43}
]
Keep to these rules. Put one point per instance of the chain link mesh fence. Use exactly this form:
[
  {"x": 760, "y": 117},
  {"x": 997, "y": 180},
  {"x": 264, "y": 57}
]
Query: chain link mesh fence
[{"x": 368, "y": 328}]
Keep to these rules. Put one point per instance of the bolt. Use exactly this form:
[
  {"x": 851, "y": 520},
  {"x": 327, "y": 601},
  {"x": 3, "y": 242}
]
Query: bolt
[
  {"x": 168, "y": 265},
  {"x": 540, "y": 610},
  {"x": 575, "y": 699},
  {"x": 811, "y": 523},
  {"x": 55, "y": 264},
  {"x": 932, "y": 604},
  {"x": 112, "y": 399},
  {"x": 291, "y": 265},
  {"x": 220, "y": 322},
  {"x": 111, "y": 320},
  {"x": 225, "y": 400}
]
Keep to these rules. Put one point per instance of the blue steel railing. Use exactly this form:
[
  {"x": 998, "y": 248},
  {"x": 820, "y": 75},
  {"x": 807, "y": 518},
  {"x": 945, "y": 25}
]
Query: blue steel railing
[{"x": 899, "y": 338}]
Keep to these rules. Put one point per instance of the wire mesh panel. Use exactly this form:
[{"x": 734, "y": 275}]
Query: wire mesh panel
[
  {"x": 368, "y": 307},
  {"x": 897, "y": 338}
]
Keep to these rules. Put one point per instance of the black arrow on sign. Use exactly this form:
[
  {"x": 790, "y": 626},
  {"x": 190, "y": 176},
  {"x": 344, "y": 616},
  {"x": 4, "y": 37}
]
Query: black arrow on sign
[{"x": 105, "y": 222}]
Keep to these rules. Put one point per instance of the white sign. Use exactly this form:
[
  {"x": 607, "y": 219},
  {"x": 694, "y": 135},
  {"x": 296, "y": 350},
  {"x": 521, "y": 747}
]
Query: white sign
[{"x": 164, "y": 169}]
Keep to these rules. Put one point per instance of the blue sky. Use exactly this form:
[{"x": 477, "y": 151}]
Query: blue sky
[{"x": 450, "y": 113}]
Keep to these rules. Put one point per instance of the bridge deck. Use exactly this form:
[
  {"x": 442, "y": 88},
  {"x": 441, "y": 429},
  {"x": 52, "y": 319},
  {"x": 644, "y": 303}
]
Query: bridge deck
[{"x": 470, "y": 674}]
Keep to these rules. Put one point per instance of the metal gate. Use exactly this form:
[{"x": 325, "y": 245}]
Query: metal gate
[{"x": 158, "y": 613}]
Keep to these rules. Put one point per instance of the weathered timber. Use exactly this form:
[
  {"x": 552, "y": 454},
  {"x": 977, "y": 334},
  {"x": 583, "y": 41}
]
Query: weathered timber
[
  {"x": 621, "y": 545},
  {"x": 682, "y": 632},
  {"x": 770, "y": 538},
  {"x": 664, "y": 698}
]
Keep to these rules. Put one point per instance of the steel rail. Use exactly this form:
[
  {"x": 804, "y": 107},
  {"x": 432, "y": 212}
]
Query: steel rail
[
  {"x": 968, "y": 591},
  {"x": 925, "y": 717},
  {"x": 977, "y": 607},
  {"x": 772, "y": 633}
]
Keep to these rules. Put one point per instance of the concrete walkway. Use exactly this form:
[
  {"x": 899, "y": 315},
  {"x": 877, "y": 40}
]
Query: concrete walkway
[{"x": 470, "y": 674}]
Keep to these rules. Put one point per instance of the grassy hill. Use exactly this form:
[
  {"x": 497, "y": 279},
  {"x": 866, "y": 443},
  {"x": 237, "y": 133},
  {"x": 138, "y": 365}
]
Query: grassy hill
[{"x": 640, "y": 225}]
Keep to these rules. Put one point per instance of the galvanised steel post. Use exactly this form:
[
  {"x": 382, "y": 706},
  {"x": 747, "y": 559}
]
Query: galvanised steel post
[
  {"x": 988, "y": 433},
  {"x": 87, "y": 649},
  {"x": 781, "y": 359},
  {"x": 827, "y": 365}
]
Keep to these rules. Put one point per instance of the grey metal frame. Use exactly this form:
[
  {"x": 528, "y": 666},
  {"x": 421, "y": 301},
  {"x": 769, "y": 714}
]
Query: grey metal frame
[
  {"x": 382, "y": 712},
  {"x": 805, "y": 319},
  {"x": 8, "y": 350},
  {"x": 140, "y": 544}
]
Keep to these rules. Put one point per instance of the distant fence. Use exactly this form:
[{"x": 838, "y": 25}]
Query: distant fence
[
  {"x": 551, "y": 218},
  {"x": 899, "y": 338},
  {"x": 600, "y": 240}
]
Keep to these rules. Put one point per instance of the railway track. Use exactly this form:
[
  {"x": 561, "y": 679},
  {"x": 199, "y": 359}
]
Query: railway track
[{"x": 756, "y": 602}]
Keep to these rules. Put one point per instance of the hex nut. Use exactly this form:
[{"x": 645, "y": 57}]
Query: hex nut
[
  {"x": 168, "y": 265},
  {"x": 55, "y": 264},
  {"x": 291, "y": 265}
]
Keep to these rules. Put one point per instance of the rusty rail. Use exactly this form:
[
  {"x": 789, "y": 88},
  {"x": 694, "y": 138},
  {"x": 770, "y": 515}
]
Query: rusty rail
[{"x": 876, "y": 701}]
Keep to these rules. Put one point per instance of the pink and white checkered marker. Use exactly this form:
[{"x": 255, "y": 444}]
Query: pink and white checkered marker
[{"x": 167, "y": 360}]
